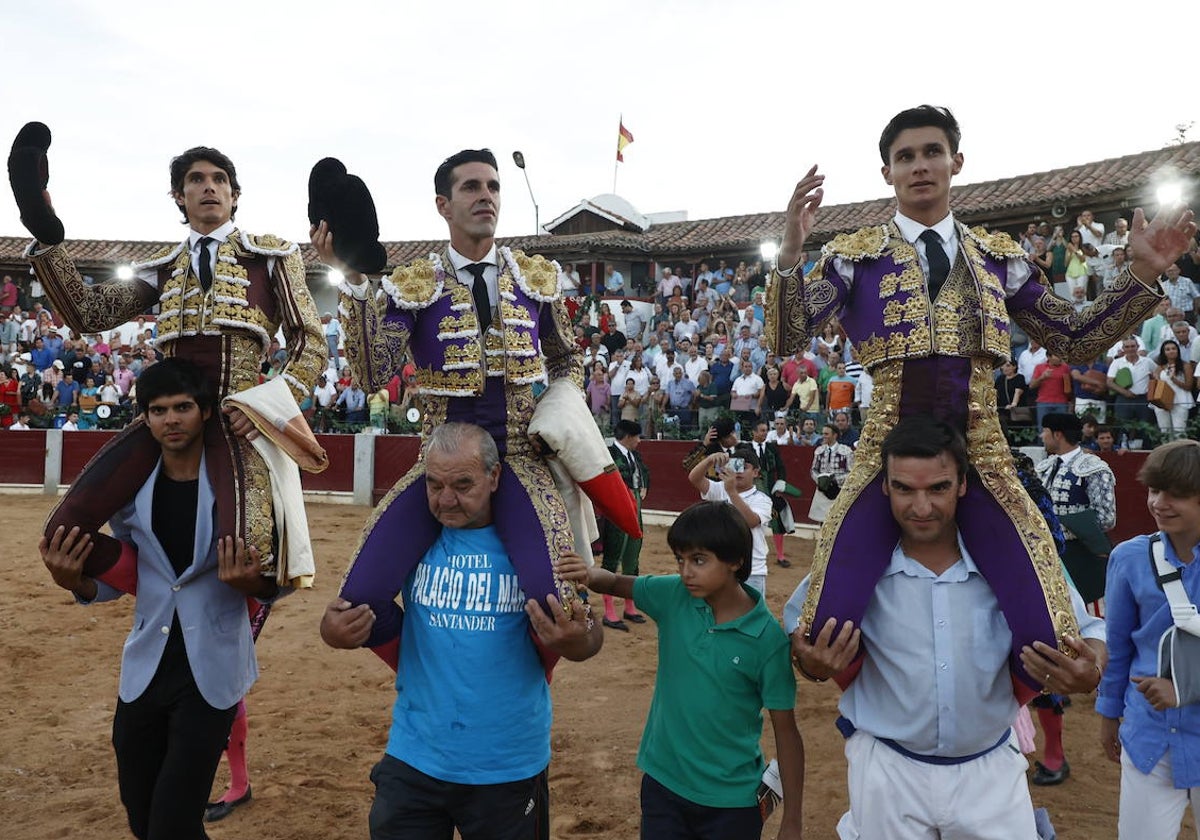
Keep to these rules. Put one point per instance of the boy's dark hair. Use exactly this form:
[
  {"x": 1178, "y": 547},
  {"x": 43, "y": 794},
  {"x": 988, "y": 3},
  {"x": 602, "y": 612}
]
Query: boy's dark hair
[
  {"x": 724, "y": 427},
  {"x": 181, "y": 164},
  {"x": 715, "y": 527},
  {"x": 919, "y": 117},
  {"x": 443, "y": 179},
  {"x": 922, "y": 436},
  {"x": 627, "y": 428},
  {"x": 173, "y": 376},
  {"x": 1174, "y": 467}
]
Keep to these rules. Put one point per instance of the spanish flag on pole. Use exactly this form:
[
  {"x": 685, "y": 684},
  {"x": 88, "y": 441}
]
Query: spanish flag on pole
[{"x": 624, "y": 138}]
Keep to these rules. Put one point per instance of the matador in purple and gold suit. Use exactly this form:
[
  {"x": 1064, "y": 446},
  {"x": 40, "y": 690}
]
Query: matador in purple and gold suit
[
  {"x": 258, "y": 288},
  {"x": 937, "y": 357},
  {"x": 425, "y": 311}
]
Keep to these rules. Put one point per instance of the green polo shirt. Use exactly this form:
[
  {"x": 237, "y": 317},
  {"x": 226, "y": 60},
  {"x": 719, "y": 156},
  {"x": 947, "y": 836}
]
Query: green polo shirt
[{"x": 702, "y": 734}]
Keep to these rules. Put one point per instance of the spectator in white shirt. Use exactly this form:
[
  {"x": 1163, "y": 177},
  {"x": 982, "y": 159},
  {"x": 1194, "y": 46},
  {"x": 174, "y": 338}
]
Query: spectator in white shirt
[{"x": 1091, "y": 230}]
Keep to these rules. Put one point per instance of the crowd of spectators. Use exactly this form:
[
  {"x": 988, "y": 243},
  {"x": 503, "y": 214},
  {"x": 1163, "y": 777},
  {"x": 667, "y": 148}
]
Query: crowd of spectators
[
  {"x": 689, "y": 352},
  {"x": 695, "y": 351}
]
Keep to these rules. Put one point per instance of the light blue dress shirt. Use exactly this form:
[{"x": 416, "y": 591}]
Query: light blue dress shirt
[
  {"x": 1138, "y": 615},
  {"x": 935, "y": 677}
]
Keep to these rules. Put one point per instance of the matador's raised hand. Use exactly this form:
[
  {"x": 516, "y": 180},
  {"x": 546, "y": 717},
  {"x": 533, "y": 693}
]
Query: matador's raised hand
[
  {"x": 29, "y": 174},
  {"x": 801, "y": 216},
  {"x": 1156, "y": 244}
]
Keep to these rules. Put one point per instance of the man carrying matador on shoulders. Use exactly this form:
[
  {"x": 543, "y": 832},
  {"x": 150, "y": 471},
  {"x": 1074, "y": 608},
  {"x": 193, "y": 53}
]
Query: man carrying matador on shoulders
[
  {"x": 482, "y": 324},
  {"x": 927, "y": 302},
  {"x": 223, "y": 294}
]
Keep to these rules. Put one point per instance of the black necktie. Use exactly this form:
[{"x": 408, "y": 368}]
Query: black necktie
[
  {"x": 482, "y": 305},
  {"x": 633, "y": 470},
  {"x": 939, "y": 265},
  {"x": 205, "y": 263},
  {"x": 1053, "y": 471}
]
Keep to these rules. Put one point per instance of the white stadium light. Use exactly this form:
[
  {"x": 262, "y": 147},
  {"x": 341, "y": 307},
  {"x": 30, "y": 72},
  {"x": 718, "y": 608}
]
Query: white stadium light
[
  {"x": 124, "y": 272},
  {"x": 768, "y": 249},
  {"x": 335, "y": 277},
  {"x": 1169, "y": 194}
]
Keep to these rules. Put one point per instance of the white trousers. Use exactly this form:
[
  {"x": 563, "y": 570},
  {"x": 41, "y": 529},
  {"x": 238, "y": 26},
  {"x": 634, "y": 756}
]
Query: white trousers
[
  {"x": 897, "y": 798},
  {"x": 1151, "y": 806},
  {"x": 1173, "y": 423}
]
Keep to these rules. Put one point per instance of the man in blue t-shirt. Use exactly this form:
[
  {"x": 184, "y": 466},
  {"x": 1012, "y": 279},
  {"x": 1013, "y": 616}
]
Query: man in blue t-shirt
[{"x": 469, "y": 744}]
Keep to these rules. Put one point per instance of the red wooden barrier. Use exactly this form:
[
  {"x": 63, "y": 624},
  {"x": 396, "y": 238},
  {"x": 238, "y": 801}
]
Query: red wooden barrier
[{"x": 22, "y": 461}]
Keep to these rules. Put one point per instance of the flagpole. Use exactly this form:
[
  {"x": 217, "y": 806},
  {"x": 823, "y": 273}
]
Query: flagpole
[{"x": 617, "y": 160}]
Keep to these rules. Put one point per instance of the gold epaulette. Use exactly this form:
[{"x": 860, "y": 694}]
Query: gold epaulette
[
  {"x": 864, "y": 243},
  {"x": 999, "y": 245},
  {"x": 268, "y": 244},
  {"x": 415, "y": 285},
  {"x": 161, "y": 257},
  {"x": 540, "y": 275}
]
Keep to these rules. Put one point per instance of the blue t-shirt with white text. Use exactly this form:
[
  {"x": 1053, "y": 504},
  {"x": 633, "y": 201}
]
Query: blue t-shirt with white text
[{"x": 472, "y": 703}]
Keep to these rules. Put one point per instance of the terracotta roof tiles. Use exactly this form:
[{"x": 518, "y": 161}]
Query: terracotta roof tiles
[{"x": 1034, "y": 192}]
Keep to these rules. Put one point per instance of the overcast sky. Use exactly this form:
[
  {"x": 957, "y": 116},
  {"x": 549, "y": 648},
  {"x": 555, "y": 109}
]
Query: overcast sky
[{"x": 728, "y": 102}]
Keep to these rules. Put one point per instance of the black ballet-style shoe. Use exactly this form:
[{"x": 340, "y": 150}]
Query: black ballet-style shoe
[
  {"x": 616, "y": 625},
  {"x": 1043, "y": 777},
  {"x": 216, "y": 811}
]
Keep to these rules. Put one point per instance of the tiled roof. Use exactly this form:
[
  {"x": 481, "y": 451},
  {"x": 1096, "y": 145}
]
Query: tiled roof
[{"x": 980, "y": 202}]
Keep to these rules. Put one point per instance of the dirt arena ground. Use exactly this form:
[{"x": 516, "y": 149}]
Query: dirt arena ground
[{"x": 319, "y": 717}]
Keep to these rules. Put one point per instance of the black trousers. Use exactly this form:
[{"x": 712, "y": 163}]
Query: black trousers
[
  {"x": 668, "y": 816},
  {"x": 168, "y": 744},
  {"x": 410, "y": 805}
]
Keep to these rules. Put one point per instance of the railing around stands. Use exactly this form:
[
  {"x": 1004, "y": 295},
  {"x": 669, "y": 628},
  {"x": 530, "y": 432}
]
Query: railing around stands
[{"x": 364, "y": 467}]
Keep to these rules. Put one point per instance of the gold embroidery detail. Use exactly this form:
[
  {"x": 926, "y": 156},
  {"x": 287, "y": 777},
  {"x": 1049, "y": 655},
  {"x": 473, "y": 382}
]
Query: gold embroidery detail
[
  {"x": 864, "y": 243},
  {"x": 460, "y": 354},
  {"x": 538, "y": 272},
  {"x": 416, "y": 281},
  {"x": 998, "y": 244}
]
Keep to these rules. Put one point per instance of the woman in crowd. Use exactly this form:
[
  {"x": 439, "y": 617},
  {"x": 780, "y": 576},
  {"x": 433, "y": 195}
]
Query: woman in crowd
[
  {"x": 829, "y": 343},
  {"x": 1042, "y": 256},
  {"x": 607, "y": 323},
  {"x": 774, "y": 396},
  {"x": 718, "y": 339},
  {"x": 630, "y": 402},
  {"x": 1010, "y": 390},
  {"x": 1077, "y": 268},
  {"x": 1178, "y": 373}
]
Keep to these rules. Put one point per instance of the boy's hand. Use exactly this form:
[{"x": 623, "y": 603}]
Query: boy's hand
[
  {"x": 1158, "y": 691},
  {"x": 570, "y": 566}
]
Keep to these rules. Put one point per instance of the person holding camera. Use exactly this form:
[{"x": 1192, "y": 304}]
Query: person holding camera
[{"x": 737, "y": 475}]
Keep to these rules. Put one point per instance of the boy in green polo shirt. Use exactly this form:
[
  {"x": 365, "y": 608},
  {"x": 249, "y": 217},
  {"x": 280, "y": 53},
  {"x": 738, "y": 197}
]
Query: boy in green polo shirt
[{"x": 722, "y": 659}]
